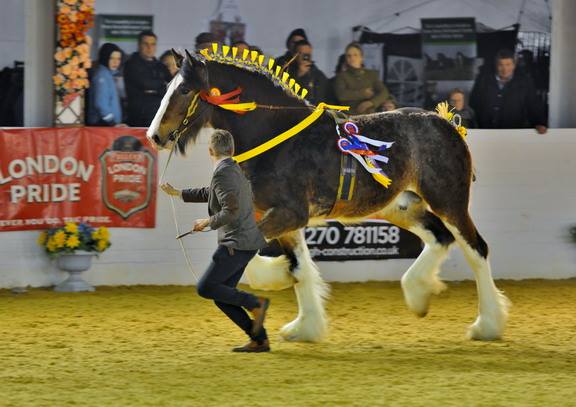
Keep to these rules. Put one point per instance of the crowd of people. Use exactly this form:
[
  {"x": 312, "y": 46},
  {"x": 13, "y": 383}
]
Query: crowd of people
[{"x": 130, "y": 92}]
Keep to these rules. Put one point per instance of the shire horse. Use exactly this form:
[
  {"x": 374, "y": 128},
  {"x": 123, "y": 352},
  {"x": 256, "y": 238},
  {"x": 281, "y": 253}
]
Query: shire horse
[{"x": 295, "y": 183}]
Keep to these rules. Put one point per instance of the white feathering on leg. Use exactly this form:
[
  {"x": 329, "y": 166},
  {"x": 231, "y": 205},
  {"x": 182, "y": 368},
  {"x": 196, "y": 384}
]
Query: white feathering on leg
[
  {"x": 311, "y": 324},
  {"x": 269, "y": 273}
]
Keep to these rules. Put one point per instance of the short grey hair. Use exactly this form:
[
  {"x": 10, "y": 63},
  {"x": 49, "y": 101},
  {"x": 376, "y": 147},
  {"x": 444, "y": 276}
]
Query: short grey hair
[{"x": 222, "y": 143}]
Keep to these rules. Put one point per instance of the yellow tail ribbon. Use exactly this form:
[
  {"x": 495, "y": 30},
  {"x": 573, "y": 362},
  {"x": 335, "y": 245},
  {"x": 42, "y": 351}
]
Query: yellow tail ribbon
[
  {"x": 443, "y": 110},
  {"x": 288, "y": 133}
]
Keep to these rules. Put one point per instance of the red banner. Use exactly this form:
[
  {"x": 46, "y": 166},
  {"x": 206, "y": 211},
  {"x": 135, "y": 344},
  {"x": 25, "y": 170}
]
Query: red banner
[{"x": 101, "y": 176}]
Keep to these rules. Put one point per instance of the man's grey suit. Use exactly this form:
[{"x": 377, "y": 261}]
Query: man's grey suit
[
  {"x": 231, "y": 211},
  {"x": 230, "y": 207}
]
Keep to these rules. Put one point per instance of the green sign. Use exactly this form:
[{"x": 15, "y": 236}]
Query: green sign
[{"x": 113, "y": 28}]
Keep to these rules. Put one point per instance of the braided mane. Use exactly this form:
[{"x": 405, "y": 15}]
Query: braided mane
[{"x": 254, "y": 62}]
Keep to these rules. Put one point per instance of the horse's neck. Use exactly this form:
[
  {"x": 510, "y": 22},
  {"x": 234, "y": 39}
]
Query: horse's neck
[{"x": 260, "y": 125}]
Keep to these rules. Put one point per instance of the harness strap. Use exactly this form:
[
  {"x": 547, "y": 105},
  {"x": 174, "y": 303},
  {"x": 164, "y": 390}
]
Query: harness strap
[{"x": 262, "y": 148}]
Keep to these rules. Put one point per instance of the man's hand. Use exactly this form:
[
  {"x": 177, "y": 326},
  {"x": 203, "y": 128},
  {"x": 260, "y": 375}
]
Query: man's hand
[
  {"x": 170, "y": 190},
  {"x": 541, "y": 129},
  {"x": 200, "y": 224},
  {"x": 364, "y": 106}
]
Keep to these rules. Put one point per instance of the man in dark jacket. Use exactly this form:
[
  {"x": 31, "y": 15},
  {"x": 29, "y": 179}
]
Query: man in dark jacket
[
  {"x": 305, "y": 72},
  {"x": 146, "y": 79},
  {"x": 506, "y": 100},
  {"x": 296, "y": 35},
  {"x": 230, "y": 206}
]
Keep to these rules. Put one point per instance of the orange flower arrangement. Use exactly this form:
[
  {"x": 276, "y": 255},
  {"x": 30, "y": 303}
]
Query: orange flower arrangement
[{"x": 73, "y": 19}]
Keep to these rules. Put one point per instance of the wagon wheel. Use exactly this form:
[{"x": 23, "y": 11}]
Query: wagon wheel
[
  {"x": 406, "y": 83},
  {"x": 402, "y": 71}
]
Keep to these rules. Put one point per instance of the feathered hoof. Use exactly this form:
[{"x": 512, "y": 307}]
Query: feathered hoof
[
  {"x": 305, "y": 330},
  {"x": 483, "y": 330},
  {"x": 417, "y": 294}
]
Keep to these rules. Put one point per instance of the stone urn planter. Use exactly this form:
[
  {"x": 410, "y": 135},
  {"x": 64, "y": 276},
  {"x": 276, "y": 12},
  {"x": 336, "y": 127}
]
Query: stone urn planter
[{"x": 74, "y": 264}]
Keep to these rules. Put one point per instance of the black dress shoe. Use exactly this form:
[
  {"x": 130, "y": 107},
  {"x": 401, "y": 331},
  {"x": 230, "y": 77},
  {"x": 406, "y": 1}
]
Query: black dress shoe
[
  {"x": 254, "y": 347},
  {"x": 259, "y": 315}
]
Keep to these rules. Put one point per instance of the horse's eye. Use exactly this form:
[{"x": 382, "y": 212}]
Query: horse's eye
[{"x": 184, "y": 90}]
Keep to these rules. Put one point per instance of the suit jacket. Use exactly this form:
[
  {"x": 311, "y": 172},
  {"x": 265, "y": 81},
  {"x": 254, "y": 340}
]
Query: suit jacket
[
  {"x": 514, "y": 106},
  {"x": 230, "y": 206}
]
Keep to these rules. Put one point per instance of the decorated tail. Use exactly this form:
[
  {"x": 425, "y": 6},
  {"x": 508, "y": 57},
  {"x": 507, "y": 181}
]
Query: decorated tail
[{"x": 443, "y": 110}]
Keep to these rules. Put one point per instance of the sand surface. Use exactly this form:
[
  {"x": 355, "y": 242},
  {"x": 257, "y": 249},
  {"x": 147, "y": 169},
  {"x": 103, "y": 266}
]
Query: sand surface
[{"x": 165, "y": 346}]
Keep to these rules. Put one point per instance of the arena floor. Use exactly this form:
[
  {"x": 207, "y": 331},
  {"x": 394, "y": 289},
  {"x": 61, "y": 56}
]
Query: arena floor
[{"x": 165, "y": 346}]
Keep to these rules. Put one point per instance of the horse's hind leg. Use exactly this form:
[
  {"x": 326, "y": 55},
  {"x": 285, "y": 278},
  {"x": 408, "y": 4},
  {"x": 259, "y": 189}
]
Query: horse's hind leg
[
  {"x": 311, "y": 324},
  {"x": 421, "y": 280},
  {"x": 493, "y": 304}
]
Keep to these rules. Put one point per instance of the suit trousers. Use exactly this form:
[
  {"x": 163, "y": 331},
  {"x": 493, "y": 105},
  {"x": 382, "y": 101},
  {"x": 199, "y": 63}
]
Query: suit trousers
[{"x": 219, "y": 284}]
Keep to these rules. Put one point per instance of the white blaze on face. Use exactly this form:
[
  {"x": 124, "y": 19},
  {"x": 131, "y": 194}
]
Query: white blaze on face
[{"x": 155, "y": 125}]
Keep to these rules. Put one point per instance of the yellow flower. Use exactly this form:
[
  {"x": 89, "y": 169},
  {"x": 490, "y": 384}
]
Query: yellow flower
[
  {"x": 104, "y": 233},
  {"x": 96, "y": 235},
  {"x": 51, "y": 245},
  {"x": 42, "y": 238},
  {"x": 71, "y": 227},
  {"x": 73, "y": 242},
  {"x": 59, "y": 238},
  {"x": 102, "y": 245}
]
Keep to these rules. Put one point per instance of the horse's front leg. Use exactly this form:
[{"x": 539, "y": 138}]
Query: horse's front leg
[
  {"x": 295, "y": 268},
  {"x": 311, "y": 324}
]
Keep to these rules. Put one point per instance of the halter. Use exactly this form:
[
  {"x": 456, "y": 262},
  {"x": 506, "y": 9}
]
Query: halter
[{"x": 175, "y": 135}]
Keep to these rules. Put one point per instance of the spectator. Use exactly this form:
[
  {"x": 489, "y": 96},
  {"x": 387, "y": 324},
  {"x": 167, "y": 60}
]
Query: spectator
[
  {"x": 507, "y": 100},
  {"x": 205, "y": 40},
  {"x": 241, "y": 45},
  {"x": 146, "y": 80},
  {"x": 307, "y": 74},
  {"x": 457, "y": 100},
  {"x": 358, "y": 87},
  {"x": 169, "y": 61},
  {"x": 389, "y": 105},
  {"x": 296, "y": 35},
  {"x": 104, "y": 108}
]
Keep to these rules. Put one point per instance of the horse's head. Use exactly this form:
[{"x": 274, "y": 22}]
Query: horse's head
[
  {"x": 180, "y": 114},
  {"x": 207, "y": 88}
]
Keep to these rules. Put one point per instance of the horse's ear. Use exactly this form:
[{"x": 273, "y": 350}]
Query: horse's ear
[
  {"x": 195, "y": 70},
  {"x": 178, "y": 57}
]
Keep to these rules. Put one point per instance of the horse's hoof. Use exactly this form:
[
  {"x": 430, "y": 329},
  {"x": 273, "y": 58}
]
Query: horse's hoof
[
  {"x": 480, "y": 330},
  {"x": 417, "y": 294},
  {"x": 300, "y": 330}
]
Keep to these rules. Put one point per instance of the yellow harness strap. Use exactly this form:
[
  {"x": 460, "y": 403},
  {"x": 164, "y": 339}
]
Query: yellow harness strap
[{"x": 288, "y": 133}]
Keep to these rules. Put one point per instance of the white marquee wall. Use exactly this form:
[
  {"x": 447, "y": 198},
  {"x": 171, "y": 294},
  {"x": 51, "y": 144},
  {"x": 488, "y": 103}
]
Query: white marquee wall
[
  {"x": 523, "y": 202},
  {"x": 327, "y": 22}
]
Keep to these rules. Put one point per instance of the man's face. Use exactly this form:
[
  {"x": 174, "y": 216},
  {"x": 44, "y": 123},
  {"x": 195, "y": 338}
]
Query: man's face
[
  {"x": 457, "y": 101},
  {"x": 304, "y": 55},
  {"x": 505, "y": 68},
  {"x": 294, "y": 40},
  {"x": 147, "y": 47}
]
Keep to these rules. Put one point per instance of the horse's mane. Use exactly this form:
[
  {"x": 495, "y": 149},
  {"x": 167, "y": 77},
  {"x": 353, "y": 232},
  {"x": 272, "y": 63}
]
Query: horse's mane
[{"x": 253, "y": 61}]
